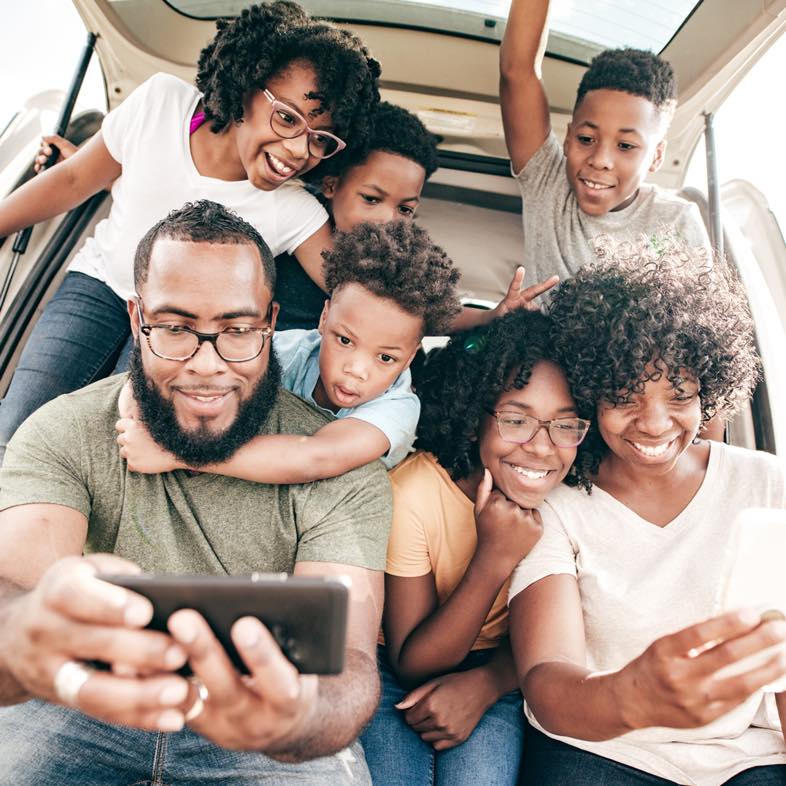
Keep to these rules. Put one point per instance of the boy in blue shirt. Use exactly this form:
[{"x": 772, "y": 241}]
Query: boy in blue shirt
[
  {"x": 580, "y": 195},
  {"x": 389, "y": 285}
]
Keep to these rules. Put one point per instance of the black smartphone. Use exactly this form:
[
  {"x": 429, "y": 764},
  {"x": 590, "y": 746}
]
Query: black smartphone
[{"x": 306, "y": 615}]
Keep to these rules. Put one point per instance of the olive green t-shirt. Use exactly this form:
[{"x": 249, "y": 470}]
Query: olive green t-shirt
[{"x": 181, "y": 522}]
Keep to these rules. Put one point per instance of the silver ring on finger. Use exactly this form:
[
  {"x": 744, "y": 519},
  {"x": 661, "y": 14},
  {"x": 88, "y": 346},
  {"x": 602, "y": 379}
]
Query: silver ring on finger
[
  {"x": 199, "y": 703},
  {"x": 69, "y": 680}
]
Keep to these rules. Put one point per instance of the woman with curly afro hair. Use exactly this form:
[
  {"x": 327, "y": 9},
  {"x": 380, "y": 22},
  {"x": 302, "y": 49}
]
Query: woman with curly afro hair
[
  {"x": 276, "y": 93},
  {"x": 499, "y": 430},
  {"x": 615, "y": 615}
]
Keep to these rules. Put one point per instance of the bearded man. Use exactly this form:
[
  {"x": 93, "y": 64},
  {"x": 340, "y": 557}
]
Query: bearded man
[{"x": 206, "y": 381}]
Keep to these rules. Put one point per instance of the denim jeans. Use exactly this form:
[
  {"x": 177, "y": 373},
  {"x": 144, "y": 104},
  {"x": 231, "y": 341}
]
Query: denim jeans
[
  {"x": 44, "y": 744},
  {"x": 396, "y": 755},
  {"x": 83, "y": 335},
  {"x": 549, "y": 762}
]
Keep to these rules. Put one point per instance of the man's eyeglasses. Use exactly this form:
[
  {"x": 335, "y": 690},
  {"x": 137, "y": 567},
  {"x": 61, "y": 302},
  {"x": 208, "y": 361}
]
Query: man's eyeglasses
[
  {"x": 288, "y": 124},
  {"x": 564, "y": 432},
  {"x": 178, "y": 342}
]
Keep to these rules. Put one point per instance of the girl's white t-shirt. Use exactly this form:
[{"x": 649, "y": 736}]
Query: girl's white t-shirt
[
  {"x": 639, "y": 581},
  {"x": 148, "y": 134}
]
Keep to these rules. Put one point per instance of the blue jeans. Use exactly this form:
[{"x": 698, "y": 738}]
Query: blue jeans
[
  {"x": 83, "y": 335},
  {"x": 396, "y": 755},
  {"x": 549, "y": 762},
  {"x": 46, "y": 745}
]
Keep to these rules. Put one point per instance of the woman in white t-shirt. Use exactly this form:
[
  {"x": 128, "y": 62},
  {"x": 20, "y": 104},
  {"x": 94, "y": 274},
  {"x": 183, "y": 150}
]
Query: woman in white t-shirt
[
  {"x": 276, "y": 92},
  {"x": 615, "y": 615}
]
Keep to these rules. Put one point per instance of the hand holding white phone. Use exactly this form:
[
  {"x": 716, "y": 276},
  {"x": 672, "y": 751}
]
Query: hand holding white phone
[{"x": 756, "y": 577}]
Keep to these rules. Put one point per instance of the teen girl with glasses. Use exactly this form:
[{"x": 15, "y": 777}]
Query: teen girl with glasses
[
  {"x": 276, "y": 93},
  {"x": 498, "y": 431}
]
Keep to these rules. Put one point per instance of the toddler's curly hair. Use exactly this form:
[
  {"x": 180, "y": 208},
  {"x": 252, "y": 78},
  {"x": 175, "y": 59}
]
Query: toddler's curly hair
[
  {"x": 634, "y": 71},
  {"x": 263, "y": 41},
  {"x": 397, "y": 261},
  {"x": 460, "y": 382},
  {"x": 642, "y": 310},
  {"x": 393, "y": 130}
]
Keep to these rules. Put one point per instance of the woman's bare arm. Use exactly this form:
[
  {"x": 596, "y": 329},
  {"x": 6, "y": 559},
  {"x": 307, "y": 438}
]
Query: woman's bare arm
[
  {"x": 60, "y": 188},
  {"x": 309, "y": 254},
  {"x": 424, "y": 638},
  {"x": 673, "y": 683}
]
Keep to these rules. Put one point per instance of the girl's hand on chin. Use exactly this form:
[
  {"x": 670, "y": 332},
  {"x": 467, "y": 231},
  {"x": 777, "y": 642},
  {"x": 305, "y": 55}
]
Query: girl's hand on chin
[{"x": 506, "y": 532}]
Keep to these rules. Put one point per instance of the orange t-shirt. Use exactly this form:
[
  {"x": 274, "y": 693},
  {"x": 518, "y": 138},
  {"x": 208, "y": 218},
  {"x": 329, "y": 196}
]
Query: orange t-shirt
[{"x": 434, "y": 532}]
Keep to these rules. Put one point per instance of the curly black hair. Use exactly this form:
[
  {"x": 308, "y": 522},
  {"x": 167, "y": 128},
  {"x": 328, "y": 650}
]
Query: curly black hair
[
  {"x": 634, "y": 71},
  {"x": 263, "y": 41},
  {"x": 397, "y": 261},
  {"x": 459, "y": 382},
  {"x": 393, "y": 130},
  {"x": 641, "y": 311}
]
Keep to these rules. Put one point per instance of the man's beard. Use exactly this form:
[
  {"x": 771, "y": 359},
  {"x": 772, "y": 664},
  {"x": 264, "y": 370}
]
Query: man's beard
[{"x": 202, "y": 446}]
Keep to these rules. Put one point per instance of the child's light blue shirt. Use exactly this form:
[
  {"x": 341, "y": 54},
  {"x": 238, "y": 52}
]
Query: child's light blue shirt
[{"x": 395, "y": 413}]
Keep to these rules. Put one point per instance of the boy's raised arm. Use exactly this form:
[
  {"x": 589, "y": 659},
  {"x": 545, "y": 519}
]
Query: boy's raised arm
[{"x": 525, "y": 108}]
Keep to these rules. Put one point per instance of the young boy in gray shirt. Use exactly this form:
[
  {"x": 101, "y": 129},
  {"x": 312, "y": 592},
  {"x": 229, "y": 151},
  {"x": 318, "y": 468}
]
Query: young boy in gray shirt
[{"x": 578, "y": 195}]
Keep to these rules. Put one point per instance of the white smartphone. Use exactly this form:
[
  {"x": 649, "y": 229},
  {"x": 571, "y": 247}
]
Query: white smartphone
[{"x": 756, "y": 577}]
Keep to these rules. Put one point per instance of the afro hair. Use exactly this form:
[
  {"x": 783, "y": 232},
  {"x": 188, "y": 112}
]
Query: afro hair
[
  {"x": 634, "y": 71},
  {"x": 459, "y": 383},
  {"x": 642, "y": 311},
  {"x": 263, "y": 41},
  {"x": 393, "y": 130},
  {"x": 399, "y": 262}
]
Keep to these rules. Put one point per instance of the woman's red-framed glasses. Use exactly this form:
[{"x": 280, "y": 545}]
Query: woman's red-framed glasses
[{"x": 288, "y": 123}]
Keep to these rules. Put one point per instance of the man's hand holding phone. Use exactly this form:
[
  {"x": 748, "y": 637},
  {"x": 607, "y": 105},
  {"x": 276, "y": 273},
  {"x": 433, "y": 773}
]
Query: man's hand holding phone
[
  {"x": 71, "y": 618},
  {"x": 244, "y": 712},
  {"x": 85, "y": 610},
  {"x": 246, "y": 690}
]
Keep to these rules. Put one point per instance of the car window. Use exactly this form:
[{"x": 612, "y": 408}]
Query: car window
[
  {"x": 742, "y": 125},
  {"x": 49, "y": 57}
]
